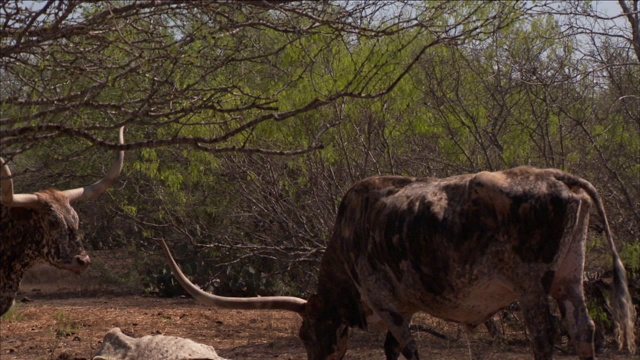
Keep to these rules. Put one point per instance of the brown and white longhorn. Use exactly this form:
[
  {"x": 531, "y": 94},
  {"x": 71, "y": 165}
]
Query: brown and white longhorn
[{"x": 43, "y": 225}]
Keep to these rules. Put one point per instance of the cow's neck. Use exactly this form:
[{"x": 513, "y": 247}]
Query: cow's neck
[
  {"x": 10, "y": 283},
  {"x": 20, "y": 243},
  {"x": 339, "y": 293}
]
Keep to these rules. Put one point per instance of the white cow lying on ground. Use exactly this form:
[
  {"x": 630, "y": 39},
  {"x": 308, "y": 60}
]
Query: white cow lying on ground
[{"x": 118, "y": 346}]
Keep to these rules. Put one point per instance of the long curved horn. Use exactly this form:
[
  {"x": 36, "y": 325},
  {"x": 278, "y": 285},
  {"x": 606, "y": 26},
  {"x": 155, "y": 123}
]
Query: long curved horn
[
  {"x": 87, "y": 192},
  {"x": 8, "y": 197},
  {"x": 251, "y": 303}
]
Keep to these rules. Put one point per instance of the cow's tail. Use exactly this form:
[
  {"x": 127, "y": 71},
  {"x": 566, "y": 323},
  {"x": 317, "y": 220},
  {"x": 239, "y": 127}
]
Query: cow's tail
[{"x": 624, "y": 313}]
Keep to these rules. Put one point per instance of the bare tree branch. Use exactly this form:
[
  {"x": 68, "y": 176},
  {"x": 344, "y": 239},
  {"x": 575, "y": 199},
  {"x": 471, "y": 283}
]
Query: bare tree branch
[{"x": 209, "y": 75}]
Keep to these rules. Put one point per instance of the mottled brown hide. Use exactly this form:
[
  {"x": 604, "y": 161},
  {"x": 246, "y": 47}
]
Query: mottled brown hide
[{"x": 20, "y": 214}]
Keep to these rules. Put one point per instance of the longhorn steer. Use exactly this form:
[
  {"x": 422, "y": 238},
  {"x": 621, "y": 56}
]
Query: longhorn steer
[
  {"x": 459, "y": 248},
  {"x": 43, "y": 225}
]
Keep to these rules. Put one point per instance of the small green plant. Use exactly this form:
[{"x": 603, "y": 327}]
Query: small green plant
[
  {"x": 14, "y": 314},
  {"x": 66, "y": 325}
]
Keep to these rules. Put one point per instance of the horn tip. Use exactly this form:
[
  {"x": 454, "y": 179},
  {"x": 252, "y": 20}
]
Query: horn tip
[{"x": 121, "y": 134}]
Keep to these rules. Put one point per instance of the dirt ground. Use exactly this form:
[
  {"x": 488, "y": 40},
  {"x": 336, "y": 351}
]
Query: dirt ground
[{"x": 62, "y": 316}]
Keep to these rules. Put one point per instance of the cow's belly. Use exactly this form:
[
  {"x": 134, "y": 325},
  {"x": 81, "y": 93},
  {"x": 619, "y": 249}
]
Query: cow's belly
[{"x": 473, "y": 304}]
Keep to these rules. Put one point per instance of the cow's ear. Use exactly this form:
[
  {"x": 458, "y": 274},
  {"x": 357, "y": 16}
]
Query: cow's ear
[{"x": 314, "y": 306}]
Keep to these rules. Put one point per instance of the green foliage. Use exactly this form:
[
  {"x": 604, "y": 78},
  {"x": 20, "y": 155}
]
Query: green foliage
[
  {"x": 630, "y": 256},
  {"x": 599, "y": 314},
  {"x": 595, "y": 243},
  {"x": 130, "y": 210}
]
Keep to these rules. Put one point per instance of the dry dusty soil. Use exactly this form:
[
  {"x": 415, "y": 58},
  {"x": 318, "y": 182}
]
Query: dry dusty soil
[{"x": 62, "y": 316}]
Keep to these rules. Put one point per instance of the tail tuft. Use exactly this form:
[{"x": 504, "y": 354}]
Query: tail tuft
[{"x": 624, "y": 313}]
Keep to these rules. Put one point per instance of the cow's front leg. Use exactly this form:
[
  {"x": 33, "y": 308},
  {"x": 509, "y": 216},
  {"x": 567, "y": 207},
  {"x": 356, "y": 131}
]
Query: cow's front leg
[
  {"x": 8, "y": 294},
  {"x": 6, "y": 302},
  {"x": 391, "y": 347},
  {"x": 399, "y": 339},
  {"x": 539, "y": 320}
]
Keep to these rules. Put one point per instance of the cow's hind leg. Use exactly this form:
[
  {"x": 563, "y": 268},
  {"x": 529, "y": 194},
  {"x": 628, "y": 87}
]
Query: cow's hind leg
[
  {"x": 567, "y": 289},
  {"x": 538, "y": 318},
  {"x": 576, "y": 319}
]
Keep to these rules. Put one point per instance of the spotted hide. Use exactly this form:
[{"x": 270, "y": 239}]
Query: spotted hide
[
  {"x": 459, "y": 248},
  {"x": 42, "y": 225}
]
